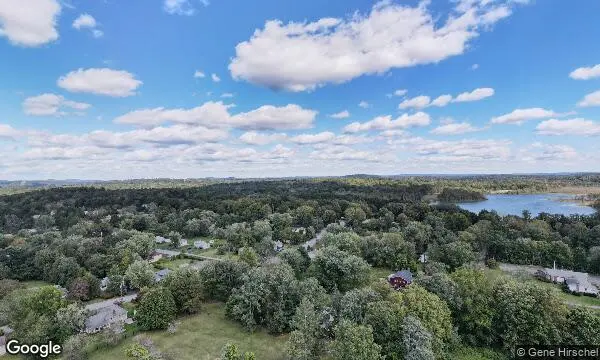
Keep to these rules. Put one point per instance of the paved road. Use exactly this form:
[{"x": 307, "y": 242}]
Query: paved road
[
  {"x": 177, "y": 253},
  {"x": 105, "y": 303},
  {"x": 531, "y": 269},
  {"x": 312, "y": 243}
]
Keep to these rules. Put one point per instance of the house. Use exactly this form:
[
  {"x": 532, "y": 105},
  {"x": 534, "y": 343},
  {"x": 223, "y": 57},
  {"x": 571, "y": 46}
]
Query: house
[
  {"x": 278, "y": 246},
  {"x": 576, "y": 282},
  {"x": 162, "y": 240},
  {"x": 161, "y": 274},
  {"x": 401, "y": 279},
  {"x": 423, "y": 258},
  {"x": 201, "y": 244},
  {"x": 183, "y": 243},
  {"x": 105, "y": 317}
]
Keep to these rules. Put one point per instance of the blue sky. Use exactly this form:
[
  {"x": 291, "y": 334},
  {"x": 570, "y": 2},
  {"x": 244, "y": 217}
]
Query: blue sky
[{"x": 174, "y": 88}]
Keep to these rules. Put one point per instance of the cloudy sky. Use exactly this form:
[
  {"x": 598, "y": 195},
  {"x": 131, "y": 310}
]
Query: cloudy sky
[{"x": 193, "y": 88}]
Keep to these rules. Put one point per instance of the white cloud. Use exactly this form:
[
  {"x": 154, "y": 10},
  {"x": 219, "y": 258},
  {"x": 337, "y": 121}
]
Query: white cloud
[
  {"x": 344, "y": 153},
  {"x": 215, "y": 78},
  {"x": 50, "y": 104},
  {"x": 461, "y": 150},
  {"x": 313, "y": 138},
  {"x": 518, "y": 116},
  {"x": 29, "y": 23},
  {"x": 350, "y": 140},
  {"x": 216, "y": 114},
  {"x": 386, "y": 123},
  {"x": 364, "y": 104},
  {"x": 8, "y": 132},
  {"x": 548, "y": 152},
  {"x": 419, "y": 102},
  {"x": 212, "y": 114},
  {"x": 338, "y": 50},
  {"x": 341, "y": 115},
  {"x": 474, "y": 66},
  {"x": 423, "y": 101},
  {"x": 589, "y": 100},
  {"x": 393, "y": 133},
  {"x": 454, "y": 129},
  {"x": 576, "y": 126},
  {"x": 199, "y": 74},
  {"x": 586, "y": 73},
  {"x": 116, "y": 83},
  {"x": 268, "y": 117},
  {"x": 256, "y": 138},
  {"x": 227, "y": 95},
  {"x": 84, "y": 21},
  {"x": 400, "y": 92},
  {"x": 475, "y": 95},
  {"x": 178, "y": 7},
  {"x": 442, "y": 100}
]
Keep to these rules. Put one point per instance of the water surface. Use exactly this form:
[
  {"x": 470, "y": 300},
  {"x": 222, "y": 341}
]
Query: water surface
[{"x": 506, "y": 204}]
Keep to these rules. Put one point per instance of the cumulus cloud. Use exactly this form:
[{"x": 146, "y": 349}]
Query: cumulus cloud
[
  {"x": 29, "y": 23},
  {"x": 386, "y": 123},
  {"x": 343, "y": 153},
  {"x": 341, "y": 115},
  {"x": 215, "y": 78},
  {"x": 423, "y": 101},
  {"x": 548, "y": 152},
  {"x": 475, "y": 95},
  {"x": 454, "y": 129},
  {"x": 589, "y": 100},
  {"x": 338, "y": 50},
  {"x": 442, "y": 100},
  {"x": 104, "y": 81},
  {"x": 256, "y": 138},
  {"x": 364, "y": 105},
  {"x": 199, "y": 74},
  {"x": 519, "y": 116},
  {"x": 87, "y": 21},
  {"x": 51, "y": 105},
  {"x": 8, "y": 132},
  {"x": 216, "y": 114},
  {"x": 419, "y": 102},
  {"x": 585, "y": 73},
  {"x": 461, "y": 150},
  {"x": 576, "y": 126},
  {"x": 227, "y": 95},
  {"x": 313, "y": 138},
  {"x": 268, "y": 117},
  {"x": 212, "y": 114}
]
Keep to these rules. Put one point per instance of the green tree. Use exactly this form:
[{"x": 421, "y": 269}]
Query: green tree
[
  {"x": 185, "y": 284},
  {"x": 140, "y": 274},
  {"x": 355, "y": 215},
  {"x": 157, "y": 309},
  {"x": 219, "y": 278},
  {"x": 354, "y": 342},
  {"x": 337, "y": 269},
  {"x": 416, "y": 340},
  {"x": 304, "y": 342},
  {"x": 454, "y": 254}
]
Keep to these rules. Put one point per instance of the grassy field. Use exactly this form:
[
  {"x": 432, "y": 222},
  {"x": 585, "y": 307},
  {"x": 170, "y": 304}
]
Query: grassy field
[
  {"x": 202, "y": 336},
  {"x": 175, "y": 263},
  {"x": 34, "y": 284}
]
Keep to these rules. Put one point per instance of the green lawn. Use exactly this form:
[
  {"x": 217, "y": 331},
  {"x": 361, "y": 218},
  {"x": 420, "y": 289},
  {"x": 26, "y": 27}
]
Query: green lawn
[
  {"x": 201, "y": 337},
  {"x": 378, "y": 273},
  {"x": 35, "y": 284},
  {"x": 174, "y": 264}
]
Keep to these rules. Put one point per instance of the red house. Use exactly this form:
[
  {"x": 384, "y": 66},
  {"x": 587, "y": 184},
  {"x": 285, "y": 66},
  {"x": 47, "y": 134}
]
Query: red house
[{"x": 401, "y": 279}]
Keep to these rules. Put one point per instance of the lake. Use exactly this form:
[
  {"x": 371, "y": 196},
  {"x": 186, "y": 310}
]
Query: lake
[{"x": 506, "y": 204}]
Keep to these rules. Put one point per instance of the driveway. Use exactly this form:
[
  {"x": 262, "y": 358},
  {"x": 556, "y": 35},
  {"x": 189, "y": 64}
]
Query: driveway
[{"x": 109, "y": 302}]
